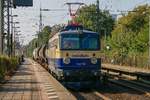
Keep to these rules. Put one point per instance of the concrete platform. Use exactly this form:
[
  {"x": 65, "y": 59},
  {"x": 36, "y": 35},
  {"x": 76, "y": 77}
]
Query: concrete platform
[{"x": 32, "y": 82}]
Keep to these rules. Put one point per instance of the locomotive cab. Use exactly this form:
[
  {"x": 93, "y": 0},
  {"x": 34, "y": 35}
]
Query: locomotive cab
[{"x": 80, "y": 51}]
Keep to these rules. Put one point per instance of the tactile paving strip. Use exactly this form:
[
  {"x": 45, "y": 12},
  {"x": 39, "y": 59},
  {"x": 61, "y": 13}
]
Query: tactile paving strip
[{"x": 46, "y": 85}]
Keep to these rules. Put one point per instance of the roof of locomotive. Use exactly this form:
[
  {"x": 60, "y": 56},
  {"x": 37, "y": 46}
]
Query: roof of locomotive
[
  {"x": 77, "y": 32},
  {"x": 74, "y": 29}
]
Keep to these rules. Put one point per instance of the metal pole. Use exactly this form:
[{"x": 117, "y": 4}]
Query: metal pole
[
  {"x": 8, "y": 28},
  {"x": 14, "y": 37},
  {"x": 1, "y": 26},
  {"x": 40, "y": 21},
  {"x": 97, "y": 11},
  {"x": 11, "y": 47},
  {"x": 149, "y": 41},
  {"x": 11, "y": 43}
]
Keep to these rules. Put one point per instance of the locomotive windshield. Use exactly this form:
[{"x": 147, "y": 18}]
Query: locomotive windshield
[{"x": 80, "y": 42}]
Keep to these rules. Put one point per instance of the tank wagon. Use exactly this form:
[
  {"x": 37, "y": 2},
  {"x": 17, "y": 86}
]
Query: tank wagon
[{"x": 35, "y": 54}]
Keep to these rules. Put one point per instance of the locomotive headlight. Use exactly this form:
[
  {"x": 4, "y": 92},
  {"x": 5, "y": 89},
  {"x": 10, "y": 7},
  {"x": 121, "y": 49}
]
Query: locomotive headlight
[
  {"x": 66, "y": 60},
  {"x": 93, "y": 60}
]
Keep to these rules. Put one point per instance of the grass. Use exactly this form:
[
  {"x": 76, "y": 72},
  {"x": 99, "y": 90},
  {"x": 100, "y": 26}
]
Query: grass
[{"x": 7, "y": 65}]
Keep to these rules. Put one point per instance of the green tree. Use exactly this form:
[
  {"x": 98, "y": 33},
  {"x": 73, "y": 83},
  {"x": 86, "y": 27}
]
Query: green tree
[
  {"x": 130, "y": 34},
  {"x": 43, "y": 38},
  {"x": 100, "y": 21},
  {"x": 56, "y": 28}
]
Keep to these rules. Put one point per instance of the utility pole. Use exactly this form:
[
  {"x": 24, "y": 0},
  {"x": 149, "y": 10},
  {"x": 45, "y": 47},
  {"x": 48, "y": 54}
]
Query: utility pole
[
  {"x": 8, "y": 27},
  {"x": 1, "y": 26},
  {"x": 97, "y": 5},
  {"x": 149, "y": 41},
  {"x": 97, "y": 11},
  {"x": 40, "y": 21}
]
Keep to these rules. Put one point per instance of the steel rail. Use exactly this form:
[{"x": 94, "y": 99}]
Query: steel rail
[
  {"x": 101, "y": 95},
  {"x": 131, "y": 86}
]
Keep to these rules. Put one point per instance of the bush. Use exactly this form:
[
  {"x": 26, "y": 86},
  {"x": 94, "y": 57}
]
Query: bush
[
  {"x": 7, "y": 65},
  {"x": 139, "y": 60}
]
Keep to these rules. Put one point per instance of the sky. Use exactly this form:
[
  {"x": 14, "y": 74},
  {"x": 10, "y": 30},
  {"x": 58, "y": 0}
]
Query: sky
[{"x": 29, "y": 16}]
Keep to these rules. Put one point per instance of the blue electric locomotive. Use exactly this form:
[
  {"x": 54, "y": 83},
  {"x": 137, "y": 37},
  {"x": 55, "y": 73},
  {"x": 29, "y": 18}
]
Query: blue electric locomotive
[{"x": 73, "y": 56}]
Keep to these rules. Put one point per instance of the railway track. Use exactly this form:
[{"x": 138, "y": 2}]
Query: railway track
[
  {"x": 133, "y": 85},
  {"x": 112, "y": 91},
  {"x": 117, "y": 89},
  {"x": 144, "y": 81},
  {"x": 90, "y": 95},
  {"x": 101, "y": 95},
  {"x": 138, "y": 85}
]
